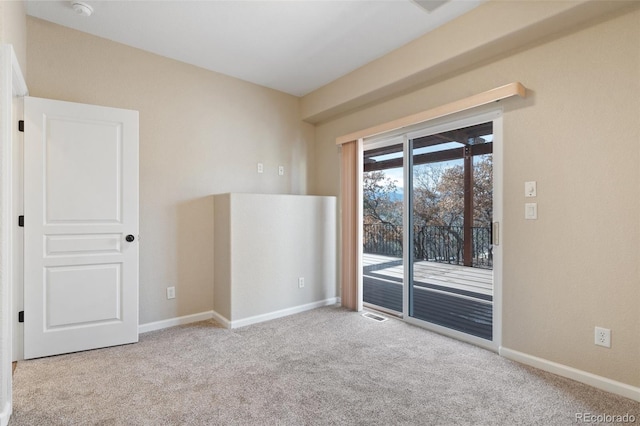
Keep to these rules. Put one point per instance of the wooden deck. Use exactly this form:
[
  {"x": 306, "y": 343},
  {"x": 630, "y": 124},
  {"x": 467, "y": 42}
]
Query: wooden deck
[
  {"x": 473, "y": 280},
  {"x": 454, "y": 296}
]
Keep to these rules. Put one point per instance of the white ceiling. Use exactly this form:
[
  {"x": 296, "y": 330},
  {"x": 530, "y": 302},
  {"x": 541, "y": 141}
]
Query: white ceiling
[{"x": 293, "y": 46}]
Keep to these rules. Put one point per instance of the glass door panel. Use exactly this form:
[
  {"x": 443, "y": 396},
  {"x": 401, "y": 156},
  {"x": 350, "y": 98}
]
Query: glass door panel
[
  {"x": 382, "y": 233},
  {"x": 451, "y": 281}
]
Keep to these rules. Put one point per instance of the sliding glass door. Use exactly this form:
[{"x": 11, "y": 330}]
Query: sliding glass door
[
  {"x": 428, "y": 214},
  {"x": 382, "y": 229}
]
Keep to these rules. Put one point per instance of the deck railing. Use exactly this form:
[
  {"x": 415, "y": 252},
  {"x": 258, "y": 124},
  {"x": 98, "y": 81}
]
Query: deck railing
[{"x": 444, "y": 244}]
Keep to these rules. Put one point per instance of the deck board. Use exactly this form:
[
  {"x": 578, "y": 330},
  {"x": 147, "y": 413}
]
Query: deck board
[
  {"x": 453, "y": 296},
  {"x": 442, "y": 274}
]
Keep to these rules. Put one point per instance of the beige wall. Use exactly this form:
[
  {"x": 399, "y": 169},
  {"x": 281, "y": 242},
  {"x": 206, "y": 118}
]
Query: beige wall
[
  {"x": 577, "y": 135},
  {"x": 201, "y": 133},
  {"x": 13, "y": 29},
  {"x": 494, "y": 28}
]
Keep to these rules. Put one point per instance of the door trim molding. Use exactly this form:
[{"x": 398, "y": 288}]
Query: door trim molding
[
  {"x": 5, "y": 414},
  {"x": 13, "y": 85}
]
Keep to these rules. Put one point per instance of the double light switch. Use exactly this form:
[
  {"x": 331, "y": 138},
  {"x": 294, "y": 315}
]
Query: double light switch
[{"x": 530, "y": 209}]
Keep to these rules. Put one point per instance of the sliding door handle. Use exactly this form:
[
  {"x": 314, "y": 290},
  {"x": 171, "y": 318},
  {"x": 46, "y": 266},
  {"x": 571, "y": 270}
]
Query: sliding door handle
[{"x": 495, "y": 234}]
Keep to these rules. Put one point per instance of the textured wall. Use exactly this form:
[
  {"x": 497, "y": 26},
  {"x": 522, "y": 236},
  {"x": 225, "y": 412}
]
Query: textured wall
[
  {"x": 577, "y": 135},
  {"x": 201, "y": 133}
]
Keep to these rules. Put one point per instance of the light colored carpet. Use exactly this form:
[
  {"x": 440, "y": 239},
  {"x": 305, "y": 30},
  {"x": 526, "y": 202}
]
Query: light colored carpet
[{"x": 327, "y": 366}]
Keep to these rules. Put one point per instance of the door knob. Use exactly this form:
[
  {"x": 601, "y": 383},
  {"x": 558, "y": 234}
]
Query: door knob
[{"x": 130, "y": 238}]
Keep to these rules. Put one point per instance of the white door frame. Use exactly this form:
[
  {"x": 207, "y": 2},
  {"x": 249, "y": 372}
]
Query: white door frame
[
  {"x": 463, "y": 119},
  {"x": 13, "y": 87}
]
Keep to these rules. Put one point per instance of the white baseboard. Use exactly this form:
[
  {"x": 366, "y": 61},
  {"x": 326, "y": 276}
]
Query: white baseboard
[
  {"x": 590, "y": 379},
  {"x": 203, "y": 316},
  {"x": 172, "y": 322},
  {"x": 281, "y": 313},
  {"x": 222, "y": 320},
  {"x": 5, "y": 414}
]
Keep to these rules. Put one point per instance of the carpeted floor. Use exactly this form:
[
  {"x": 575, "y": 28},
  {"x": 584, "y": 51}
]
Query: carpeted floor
[{"x": 329, "y": 366}]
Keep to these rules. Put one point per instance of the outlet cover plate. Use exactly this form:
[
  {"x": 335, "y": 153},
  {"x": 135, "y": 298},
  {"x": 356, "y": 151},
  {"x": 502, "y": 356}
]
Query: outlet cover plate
[
  {"x": 603, "y": 337},
  {"x": 531, "y": 211},
  {"x": 530, "y": 189}
]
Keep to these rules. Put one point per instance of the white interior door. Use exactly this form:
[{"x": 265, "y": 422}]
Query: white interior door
[{"x": 80, "y": 227}]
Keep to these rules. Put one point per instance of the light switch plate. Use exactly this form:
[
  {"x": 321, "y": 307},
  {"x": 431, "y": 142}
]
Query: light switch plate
[
  {"x": 531, "y": 211},
  {"x": 530, "y": 189}
]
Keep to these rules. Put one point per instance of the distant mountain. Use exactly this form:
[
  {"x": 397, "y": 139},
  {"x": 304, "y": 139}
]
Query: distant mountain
[{"x": 397, "y": 196}]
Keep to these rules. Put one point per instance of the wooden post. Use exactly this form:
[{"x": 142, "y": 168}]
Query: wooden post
[{"x": 468, "y": 207}]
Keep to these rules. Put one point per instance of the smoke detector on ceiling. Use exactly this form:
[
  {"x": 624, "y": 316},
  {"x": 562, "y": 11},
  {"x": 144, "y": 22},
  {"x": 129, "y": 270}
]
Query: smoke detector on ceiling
[
  {"x": 430, "y": 5},
  {"x": 81, "y": 8}
]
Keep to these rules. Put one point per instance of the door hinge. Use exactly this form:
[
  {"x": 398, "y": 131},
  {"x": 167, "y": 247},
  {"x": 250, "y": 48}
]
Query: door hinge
[
  {"x": 21, "y": 316},
  {"x": 21, "y": 125},
  {"x": 21, "y": 221}
]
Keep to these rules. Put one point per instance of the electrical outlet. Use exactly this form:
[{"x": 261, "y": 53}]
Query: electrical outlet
[
  {"x": 281, "y": 170},
  {"x": 260, "y": 168},
  {"x": 603, "y": 337},
  {"x": 301, "y": 282},
  {"x": 171, "y": 292}
]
